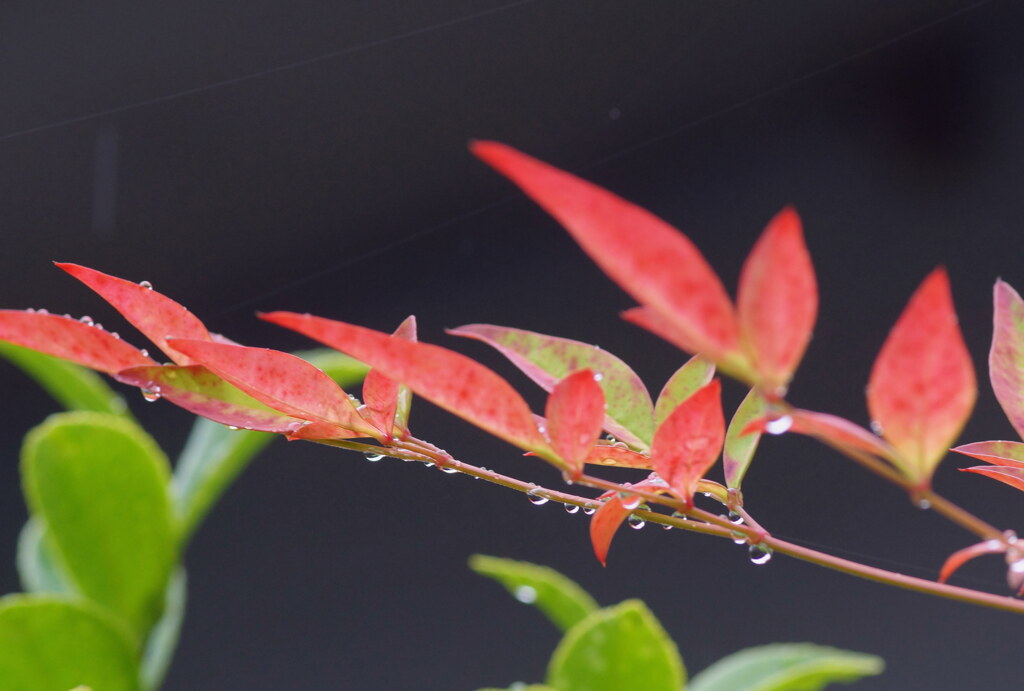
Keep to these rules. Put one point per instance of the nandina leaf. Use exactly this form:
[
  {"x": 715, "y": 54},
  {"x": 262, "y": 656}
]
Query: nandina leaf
[
  {"x": 388, "y": 402},
  {"x": 922, "y": 385},
  {"x": 548, "y": 359},
  {"x": 777, "y": 301},
  {"x": 961, "y": 557},
  {"x": 1006, "y": 359},
  {"x": 70, "y": 339},
  {"x": 688, "y": 442},
  {"x": 695, "y": 374},
  {"x": 1009, "y": 453},
  {"x": 648, "y": 258},
  {"x": 647, "y": 318},
  {"x": 741, "y": 445},
  {"x": 444, "y": 377},
  {"x": 282, "y": 381},
  {"x": 157, "y": 316},
  {"x": 575, "y": 412},
  {"x": 618, "y": 456},
  {"x": 1010, "y": 475},
  {"x": 840, "y": 432}
]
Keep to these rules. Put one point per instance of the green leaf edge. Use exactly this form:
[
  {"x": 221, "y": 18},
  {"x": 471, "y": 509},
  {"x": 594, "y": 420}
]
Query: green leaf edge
[{"x": 824, "y": 666}]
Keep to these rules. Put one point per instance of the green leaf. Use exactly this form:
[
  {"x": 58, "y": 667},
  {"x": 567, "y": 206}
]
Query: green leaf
[
  {"x": 214, "y": 455},
  {"x": 785, "y": 667},
  {"x": 517, "y": 687},
  {"x": 616, "y": 648},
  {"x": 73, "y": 386},
  {"x": 560, "y": 599},
  {"x": 39, "y": 571},
  {"x": 739, "y": 447},
  {"x": 52, "y": 644},
  {"x": 101, "y": 485},
  {"x": 163, "y": 638},
  {"x": 695, "y": 374}
]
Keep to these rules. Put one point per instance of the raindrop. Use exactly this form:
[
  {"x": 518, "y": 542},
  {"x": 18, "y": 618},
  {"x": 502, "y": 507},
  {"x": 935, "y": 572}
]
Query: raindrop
[
  {"x": 145, "y": 353},
  {"x": 146, "y": 284},
  {"x": 876, "y": 427},
  {"x": 42, "y": 310},
  {"x": 115, "y": 335},
  {"x": 779, "y": 425},
  {"x": 666, "y": 526},
  {"x": 611, "y": 438},
  {"x": 738, "y": 538},
  {"x": 526, "y": 594},
  {"x": 589, "y": 510},
  {"x": 373, "y": 456},
  {"x": 571, "y": 508},
  {"x": 598, "y": 376},
  {"x": 535, "y": 498},
  {"x": 448, "y": 470},
  {"x": 87, "y": 320},
  {"x": 923, "y": 504},
  {"x": 760, "y": 553},
  {"x": 735, "y": 518},
  {"x": 428, "y": 464},
  {"x": 232, "y": 428},
  {"x": 629, "y": 501},
  {"x": 31, "y": 310},
  {"x": 98, "y": 326},
  {"x": 635, "y": 522},
  {"x": 150, "y": 395}
]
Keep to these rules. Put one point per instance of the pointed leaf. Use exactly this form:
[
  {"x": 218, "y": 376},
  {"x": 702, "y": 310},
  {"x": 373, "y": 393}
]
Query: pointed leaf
[
  {"x": 70, "y": 339},
  {"x": 840, "y": 432},
  {"x": 961, "y": 557},
  {"x": 446, "y": 378},
  {"x": 647, "y": 257},
  {"x": 575, "y": 412},
  {"x": 687, "y": 444},
  {"x": 785, "y": 667},
  {"x": 559, "y": 598},
  {"x": 922, "y": 386},
  {"x": 617, "y": 648},
  {"x": 163, "y": 637},
  {"x": 608, "y": 454},
  {"x": 548, "y": 359},
  {"x": 386, "y": 400},
  {"x": 73, "y": 386},
  {"x": 1006, "y": 359},
  {"x": 1006, "y": 453},
  {"x": 157, "y": 316},
  {"x": 777, "y": 301},
  {"x": 604, "y": 524},
  {"x": 1010, "y": 475},
  {"x": 695, "y": 374},
  {"x": 739, "y": 446}
]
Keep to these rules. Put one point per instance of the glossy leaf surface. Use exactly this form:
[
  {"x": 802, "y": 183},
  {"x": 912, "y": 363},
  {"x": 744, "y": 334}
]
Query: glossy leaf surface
[
  {"x": 1006, "y": 359},
  {"x": 446, "y": 378},
  {"x": 922, "y": 386},
  {"x": 647, "y": 257},
  {"x": 575, "y": 414},
  {"x": 1006, "y": 453},
  {"x": 386, "y": 400},
  {"x": 785, "y": 667},
  {"x": 73, "y": 386},
  {"x": 617, "y": 648},
  {"x": 560, "y": 599},
  {"x": 688, "y": 442},
  {"x": 740, "y": 443},
  {"x": 549, "y": 359},
  {"x": 1010, "y": 475},
  {"x": 695, "y": 374}
]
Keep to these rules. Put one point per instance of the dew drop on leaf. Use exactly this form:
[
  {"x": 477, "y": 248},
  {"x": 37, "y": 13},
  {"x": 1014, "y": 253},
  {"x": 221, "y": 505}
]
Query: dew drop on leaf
[
  {"x": 146, "y": 284},
  {"x": 86, "y": 319},
  {"x": 629, "y": 501},
  {"x": 150, "y": 396},
  {"x": 526, "y": 594},
  {"x": 779, "y": 425}
]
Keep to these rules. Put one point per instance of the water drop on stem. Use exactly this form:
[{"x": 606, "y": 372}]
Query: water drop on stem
[{"x": 536, "y": 498}]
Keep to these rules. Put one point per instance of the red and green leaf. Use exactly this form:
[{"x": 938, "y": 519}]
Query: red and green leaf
[
  {"x": 961, "y": 557},
  {"x": 688, "y": 442},
  {"x": 922, "y": 386},
  {"x": 1006, "y": 359},
  {"x": 388, "y": 402},
  {"x": 1010, "y": 475},
  {"x": 840, "y": 432},
  {"x": 648, "y": 258},
  {"x": 777, "y": 301},
  {"x": 741, "y": 443},
  {"x": 446, "y": 378},
  {"x": 157, "y": 316},
  {"x": 71, "y": 340},
  {"x": 548, "y": 359},
  {"x": 575, "y": 413},
  {"x": 695, "y": 374},
  {"x": 618, "y": 456},
  {"x": 1006, "y": 453}
]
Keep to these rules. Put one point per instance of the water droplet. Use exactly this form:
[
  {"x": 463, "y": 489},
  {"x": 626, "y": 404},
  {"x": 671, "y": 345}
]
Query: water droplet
[
  {"x": 629, "y": 501},
  {"x": 535, "y": 498},
  {"x": 146, "y": 284},
  {"x": 428, "y": 464},
  {"x": 145, "y": 353},
  {"x": 739, "y": 538},
  {"x": 611, "y": 438},
  {"x": 589, "y": 510},
  {"x": 449, "y": 470},
  {"x": 232, "y": 428},
  {"x": 923, "y": 504},
  {"x": 779, "y": 425},
  {"x": 735, "y": 518},
  {"x": 876, "y": 427},
  {"x": 31, "y": 310},
  {"x": 115, "y": 335},
  {"x": 86, "y": 319},
  {"x": 666, "y": 526},
  {"x": 598, "y": 376},
  {"x": 150, "y": 395},
  {"x": 635, "y": 522},
  {"x": 526, "y": 594},
  {"x": 42, "y": 310},
  {"x": 373, "y": 456},
  {"x": 98, "y": 326},
  {"x": 571, "y": 508},
  {"x": 760, "y": 553}
]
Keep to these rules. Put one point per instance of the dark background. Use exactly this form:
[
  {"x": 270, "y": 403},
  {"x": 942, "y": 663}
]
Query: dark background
[{"x": 311, "y": 156}]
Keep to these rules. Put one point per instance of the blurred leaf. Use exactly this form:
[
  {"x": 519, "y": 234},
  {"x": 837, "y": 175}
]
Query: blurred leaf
[
  {"x": 51, "y": 644},
  {"x": 101, "y": 485},
  {"x": 695, "y": 374},
  {"x": 617, "y": 648},
  {"x": 575, "y": 412},
  {"x": 1006, "y": 359},
  {"x": 688, "y": 442},
  {"x": 73, "y": 386},
  {"x": 560, "y": 599},
  {"x": 38, "y": 570},
  {"x": 163, "y": 637},
  {"x": 1005, "y": 453},
  {"x": 518, "y": 687},
  {"x": 604, "y": 524},
  {"x": 785, "y": 667},
  {"x": 741, "y": 443}
]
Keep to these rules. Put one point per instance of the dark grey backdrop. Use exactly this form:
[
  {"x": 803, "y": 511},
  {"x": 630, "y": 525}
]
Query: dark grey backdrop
[{"x": 311, "y": 156}]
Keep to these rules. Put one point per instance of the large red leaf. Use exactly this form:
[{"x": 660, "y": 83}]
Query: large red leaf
[
  {"x": 777, "y": 301},
  {"x": 647, "y": 257},
  {"x": 688, "y": 442},
  {"x": 70, "y": 339},
  {"x": 157, "y": 316},
  {"x": 446, "y": 378},
  {"x": 1006, "y": 359},
  {"x": 1007, "y": 453},
  {"x": 279, "y": 380},
  {"x": 1011, "y": 475},
  {"x": 575, "y": 413},
  {"x": 922, "y": 386},
  {"x": 387, "y": 402}
]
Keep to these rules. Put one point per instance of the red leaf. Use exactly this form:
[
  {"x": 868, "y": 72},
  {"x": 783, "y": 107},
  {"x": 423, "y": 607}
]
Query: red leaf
[
  {"x": 279, "y": 380},
  {"x": 446, "y": 378},
  {"x": 618, "y": 457},
  {"x": 1006, "y": 359},
  {"x": 647, "y": 257},
  {"x": 922, "y": 385},
  {"x": 688, "y": 442},
  {"x": 1010, "y": 475},
  {"x": 70, "y": 339},
  {"x": 384, "y": 397},
  {"x": 840, "y": 432},
  {"x": 1006, "y": 453},
  {"x": 961, "y": 557},
  {"x": 777, "y": 301},
  {"x": 604, "y": 524},
  {"x": 575, "y": 413},
  {"x": 157, "y": 316}
]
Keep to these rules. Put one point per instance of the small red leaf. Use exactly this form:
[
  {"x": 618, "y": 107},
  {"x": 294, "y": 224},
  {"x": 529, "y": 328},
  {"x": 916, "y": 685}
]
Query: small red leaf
[
  {"x": 647, "y": 257},
  {"x": 575, "y": 413},
  {"x": 70, "y": 339},
  {"x": 1010, "y": 475},
  {"x": 157, "y": 316},
  {"x": 385, "y": 398},
  {"x": 922, "y": 386},
  {"x": 688, "y": 442},
  {"x": 961, "y": 557},
  {"x": 604, "y": 524},
  {"x": 840, "y": 432},
  {"x": 777, "y": 301},
  {"x": 1006, "y": 359},
  {"x": 446, "y": 378},
  {"x": 1006, "y": 453}
]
